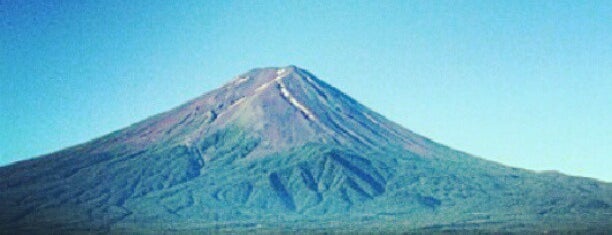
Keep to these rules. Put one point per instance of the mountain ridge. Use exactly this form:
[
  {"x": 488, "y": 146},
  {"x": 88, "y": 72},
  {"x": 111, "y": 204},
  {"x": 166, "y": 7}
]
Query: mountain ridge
[
  {"x": 261, "y": 85},
  {"x": 277, "y": 149}
]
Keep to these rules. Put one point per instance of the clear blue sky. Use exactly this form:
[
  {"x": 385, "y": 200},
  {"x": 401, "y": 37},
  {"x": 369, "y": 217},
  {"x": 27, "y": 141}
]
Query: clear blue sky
[{"x": 525, "y": 83}]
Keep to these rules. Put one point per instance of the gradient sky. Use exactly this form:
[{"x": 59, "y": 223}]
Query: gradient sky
[{"x": 525, "y": 83}]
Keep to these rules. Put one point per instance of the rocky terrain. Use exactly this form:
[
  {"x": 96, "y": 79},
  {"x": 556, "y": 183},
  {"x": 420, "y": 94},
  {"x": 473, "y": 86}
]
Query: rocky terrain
[{"x": 279, "y": 150}]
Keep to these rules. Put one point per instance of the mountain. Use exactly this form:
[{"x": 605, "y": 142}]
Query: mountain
[{"x": 277, "y": 149}]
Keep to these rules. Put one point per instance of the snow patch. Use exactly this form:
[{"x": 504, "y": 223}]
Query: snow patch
[
  {"x": 279, "y": 75},
  {"x": 241, "y": 80},
  {"x": 370, "y": 118},
  {"x": 262, "y": 87},
  {"x": 293, "y": 101},
  {"x": 237, "y": 102}
]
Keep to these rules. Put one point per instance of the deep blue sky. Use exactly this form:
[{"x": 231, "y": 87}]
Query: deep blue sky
[{"x": 525, "y": 83}]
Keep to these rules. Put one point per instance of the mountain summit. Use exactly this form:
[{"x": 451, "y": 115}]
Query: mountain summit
[
  {"x": 277, "y": 149},
  {"x": 281, "y": 107}
]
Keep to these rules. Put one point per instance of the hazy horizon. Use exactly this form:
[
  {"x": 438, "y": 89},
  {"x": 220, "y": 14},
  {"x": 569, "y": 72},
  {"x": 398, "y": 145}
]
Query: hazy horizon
[{"x": 522, "y": 83}]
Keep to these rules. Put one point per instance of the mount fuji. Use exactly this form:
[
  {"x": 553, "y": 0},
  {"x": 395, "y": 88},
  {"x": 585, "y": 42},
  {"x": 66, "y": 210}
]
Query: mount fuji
[{"x": 279, "y": 150}]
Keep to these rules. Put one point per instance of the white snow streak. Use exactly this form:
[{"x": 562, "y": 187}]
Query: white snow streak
[
  {"x": 241, "y": 80},
  {"x": 237, "y": 102},
  {"x": 370, "y": 118},
  {"x": 293, "y": 101},
  {"x": 280, "y": 74}
]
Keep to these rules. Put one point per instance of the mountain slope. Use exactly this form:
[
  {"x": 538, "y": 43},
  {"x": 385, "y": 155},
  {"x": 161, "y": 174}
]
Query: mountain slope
[{"x": 279, "y": 149}]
